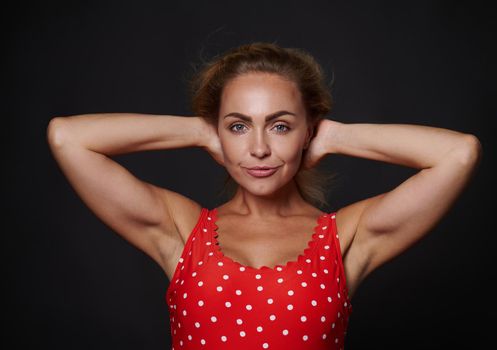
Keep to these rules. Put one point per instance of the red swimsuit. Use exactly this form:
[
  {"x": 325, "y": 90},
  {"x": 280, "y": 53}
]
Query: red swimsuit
[{"x": 217, "y": 303}]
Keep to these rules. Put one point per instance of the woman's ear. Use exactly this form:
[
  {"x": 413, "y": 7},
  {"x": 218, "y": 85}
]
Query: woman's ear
[{"x": 309, "y": 135}]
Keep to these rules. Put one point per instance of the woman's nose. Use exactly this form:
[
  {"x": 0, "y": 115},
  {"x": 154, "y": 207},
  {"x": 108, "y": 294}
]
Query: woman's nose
[{"x": 259, "y": 146}]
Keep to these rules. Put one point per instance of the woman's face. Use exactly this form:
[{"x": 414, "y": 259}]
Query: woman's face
[{"x": 262, "y": 122}]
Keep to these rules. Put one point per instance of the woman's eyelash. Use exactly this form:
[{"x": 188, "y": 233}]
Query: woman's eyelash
[{"x": 233, "y": 125}]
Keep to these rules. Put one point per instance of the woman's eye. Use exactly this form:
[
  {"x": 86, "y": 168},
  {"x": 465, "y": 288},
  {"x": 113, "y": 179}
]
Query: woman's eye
[
  {"x": 234, "y": 125},
  {"x": 279, "y": 130},
  {"x": 283, "y": 130}
]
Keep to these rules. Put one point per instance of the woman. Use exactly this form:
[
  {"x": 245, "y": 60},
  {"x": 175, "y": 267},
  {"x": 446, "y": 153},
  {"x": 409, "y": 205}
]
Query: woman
[{"x": 268, "y": 268}]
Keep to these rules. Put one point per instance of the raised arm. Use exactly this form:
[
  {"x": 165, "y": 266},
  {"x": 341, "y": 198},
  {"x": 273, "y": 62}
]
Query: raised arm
[
  {"x": 385, "y": 225},
  {"x": 147, "y": 216}
]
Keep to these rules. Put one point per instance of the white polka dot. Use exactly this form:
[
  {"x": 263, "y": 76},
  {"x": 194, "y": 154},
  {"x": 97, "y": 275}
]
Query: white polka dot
[
  {"x": 238, "y": 292},
  {"x": 345, "y": 304},
  {"x": 194, "y": 274},
  {"x": 226, "y": 277},
  {"x": 338, "y": 279},
  {"x": 265, "y": 345},
  {"x": 272, "y": 317},
  {"x": 258, "y": 276},
  {"x": 184, "y": 312},
  {"x": 208, "y": 243},
  {"x": 259, "y": 329},
  {"x": 330, "y": 299},
  {"x": 326, "y": 271},
  {"x": 200, "y": 283},
  {"x": 219, "y": 288},
  {"x": 248, "y": 307},
  {"x": 242, "y": 268},
  {"x": 322, "y": 258},
  {"x": 308, "y": 261},
  {"x": 321, "y": 236},
  {"x": 327, "y": 247},
  {"x": 338, "y": 315},
  {"x": 336, "y": 340},
  {"x": 303, "y": 318},
  {"x": 259, "y": 288},
  {"x": 323, "y": 319},
  {"x": 314, "y": 274},
  {"x": 270, "y": 301},
  {"x": 185, "y": 295},
  {"x": 213, "y": 318},
  {"x": 325, "y": 227},
  {"x": 289, "y": 307},
  {"x": 322, "y": 286},
  {"x": 324, "y": 336},
  {"x": 242, "y": 333},
  {"x": 208, "y": 218},
  {"x": 290, "y": 292},
  {"x": 305, "y": 337},
  {"x": 280, "y": 280},
  {"x": 202, "y": 341},
  {"x": 197, "y": 324},
  {"x": 338, "y": 295},
  {"x": 205, "y": 230},
  {"x": 333, "y": 216},
  {"x": 239, "y": 321},
  {"x": 299, "y": 272},
  {"x": 314, "y": 302},
  {"x": 304, "y": 284},
  {"x": 285, "y": 332},
  {"x": 189, "y": 337},
  {"x": 200, "y": 262},
  {"x": 180, "y": 260},
  {"x": 220, "y": 263},
  {"x": 181, "y": 342},
  {"x": 224, "y": 338},
  {"x": 279, "y": 268},
  {"x": 200, "y": 303},
  {"x": 228, "y": 304},
  {"x": 333, "y": 325}
]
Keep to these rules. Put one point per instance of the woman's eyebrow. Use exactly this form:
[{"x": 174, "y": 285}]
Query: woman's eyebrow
[{"x": 268, "y": 117}]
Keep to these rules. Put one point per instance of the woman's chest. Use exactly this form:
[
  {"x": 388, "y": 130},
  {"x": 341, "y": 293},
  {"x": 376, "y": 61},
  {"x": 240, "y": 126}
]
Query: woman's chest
[{"x": 258, "y": 244}]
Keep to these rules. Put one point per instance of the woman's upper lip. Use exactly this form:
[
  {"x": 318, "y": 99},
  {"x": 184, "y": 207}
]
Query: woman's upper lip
[{"x": 261, "y": 167}]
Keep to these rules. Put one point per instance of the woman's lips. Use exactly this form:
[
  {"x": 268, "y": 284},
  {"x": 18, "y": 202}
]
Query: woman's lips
[{"x": 261, "y": 172}]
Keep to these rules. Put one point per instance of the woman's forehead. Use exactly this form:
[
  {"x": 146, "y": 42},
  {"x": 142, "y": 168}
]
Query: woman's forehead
[{"x": 258, "y": 94}]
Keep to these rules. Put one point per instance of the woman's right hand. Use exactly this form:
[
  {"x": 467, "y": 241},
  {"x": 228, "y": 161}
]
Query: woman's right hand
[{"x": 211, "y": 142}]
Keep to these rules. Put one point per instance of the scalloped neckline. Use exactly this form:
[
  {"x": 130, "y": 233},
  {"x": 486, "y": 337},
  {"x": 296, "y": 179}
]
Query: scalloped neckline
[{"x": 278, "y": 267}]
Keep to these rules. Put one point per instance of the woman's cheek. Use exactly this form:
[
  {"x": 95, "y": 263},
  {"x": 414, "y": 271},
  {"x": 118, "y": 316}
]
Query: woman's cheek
[{"x": 292, "y": 154}]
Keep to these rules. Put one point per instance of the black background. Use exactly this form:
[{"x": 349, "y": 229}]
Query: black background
[{"x": 72, "y": 283}]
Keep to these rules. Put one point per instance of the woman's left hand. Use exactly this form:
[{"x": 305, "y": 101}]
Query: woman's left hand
[{"x": 319, "y": 144}]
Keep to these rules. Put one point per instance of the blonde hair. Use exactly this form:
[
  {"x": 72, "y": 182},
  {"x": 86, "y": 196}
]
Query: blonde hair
[{"x": 294, "y": 64}]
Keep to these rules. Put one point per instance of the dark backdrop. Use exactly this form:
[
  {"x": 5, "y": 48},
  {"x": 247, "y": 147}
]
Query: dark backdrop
[{"x": 72, "y": 283}]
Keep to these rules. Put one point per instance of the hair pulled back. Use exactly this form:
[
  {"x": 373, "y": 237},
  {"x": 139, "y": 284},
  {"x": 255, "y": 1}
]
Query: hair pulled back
[{"x": 293, "y": 64}]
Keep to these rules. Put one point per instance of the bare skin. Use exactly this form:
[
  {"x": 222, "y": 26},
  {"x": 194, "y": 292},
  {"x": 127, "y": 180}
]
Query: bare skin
[
  {"x": 279, "y": 222},
  {"x": 158, "y": 221}
]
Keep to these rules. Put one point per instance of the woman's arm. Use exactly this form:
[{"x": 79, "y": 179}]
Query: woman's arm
[
  {"x": 391, "y": 222},
  {"x": 145, "y": 215},
  {"x": 120, "y": 133},
  {"x": 415, "y": 146}
]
